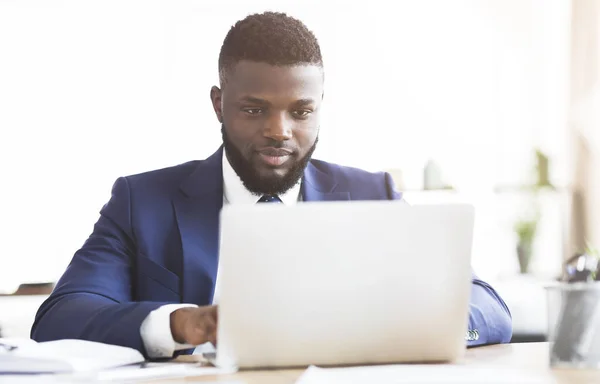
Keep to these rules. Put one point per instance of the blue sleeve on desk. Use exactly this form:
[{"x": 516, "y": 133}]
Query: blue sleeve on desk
[{"x": 488, "y": 315}]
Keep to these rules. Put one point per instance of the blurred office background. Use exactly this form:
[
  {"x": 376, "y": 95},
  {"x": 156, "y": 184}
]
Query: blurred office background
[{"x": 492, "y": 102}]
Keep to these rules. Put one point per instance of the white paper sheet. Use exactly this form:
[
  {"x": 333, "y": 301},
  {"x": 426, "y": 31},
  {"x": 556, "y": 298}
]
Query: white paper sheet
[
  {"x": 127, "y": 374},
  {"x": 422, "y": 374},
  {"x": 158, "y": 371},
  {"x": 62, "y": 356}
]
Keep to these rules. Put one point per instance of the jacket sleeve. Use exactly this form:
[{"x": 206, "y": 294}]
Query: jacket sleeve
[
  {"x": 93, "y": 300},
  {"x": 490, "y": 320},
  {"x": 390, "y": 187}
]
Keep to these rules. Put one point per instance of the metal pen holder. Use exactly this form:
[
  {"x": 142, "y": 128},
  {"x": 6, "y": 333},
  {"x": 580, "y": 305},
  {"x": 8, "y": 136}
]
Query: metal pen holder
[{"x": 574, "y": 325}]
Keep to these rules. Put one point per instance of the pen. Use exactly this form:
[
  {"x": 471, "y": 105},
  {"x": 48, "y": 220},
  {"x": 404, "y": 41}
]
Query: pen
[{"x": 8, "y": 347}]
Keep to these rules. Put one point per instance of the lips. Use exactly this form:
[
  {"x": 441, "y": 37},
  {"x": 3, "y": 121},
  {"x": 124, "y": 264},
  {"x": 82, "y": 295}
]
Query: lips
[
  {"x": 275, "y": 151},
  {"x": 274, "y": 156}
]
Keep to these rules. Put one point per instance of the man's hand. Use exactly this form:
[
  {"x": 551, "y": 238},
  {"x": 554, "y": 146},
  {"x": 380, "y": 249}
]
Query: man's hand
[{"x": 195, "y": 326}]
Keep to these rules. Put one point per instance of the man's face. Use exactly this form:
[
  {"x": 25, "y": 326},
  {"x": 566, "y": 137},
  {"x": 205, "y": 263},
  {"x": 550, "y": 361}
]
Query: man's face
[{"x": 270, "y": 122}]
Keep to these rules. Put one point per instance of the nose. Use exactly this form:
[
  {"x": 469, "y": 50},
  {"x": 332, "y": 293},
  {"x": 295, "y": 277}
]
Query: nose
[{"x": 278, "y": 127}]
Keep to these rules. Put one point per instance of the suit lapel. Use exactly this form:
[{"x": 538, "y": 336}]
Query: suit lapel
[
  {"x": 320, "y": 186},
  {"x": 197, "y": 209}
]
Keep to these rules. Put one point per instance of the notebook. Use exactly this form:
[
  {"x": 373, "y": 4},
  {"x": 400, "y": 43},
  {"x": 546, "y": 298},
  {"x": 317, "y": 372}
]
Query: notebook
[{"x": 62, "y": 356}]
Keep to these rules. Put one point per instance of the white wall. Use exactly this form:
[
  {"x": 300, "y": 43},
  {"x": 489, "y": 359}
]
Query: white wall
[
  {"x": 585, "y": 111},
  {"x": 92, "y": 90}
]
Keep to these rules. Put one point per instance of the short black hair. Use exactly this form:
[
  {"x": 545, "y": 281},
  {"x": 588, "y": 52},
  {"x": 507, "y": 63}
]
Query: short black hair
[{"x": 270, "y": 37}]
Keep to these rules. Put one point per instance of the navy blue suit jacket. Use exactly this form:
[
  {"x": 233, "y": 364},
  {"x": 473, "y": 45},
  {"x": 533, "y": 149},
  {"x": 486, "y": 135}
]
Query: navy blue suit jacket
[{"x": 156, "y": 243}]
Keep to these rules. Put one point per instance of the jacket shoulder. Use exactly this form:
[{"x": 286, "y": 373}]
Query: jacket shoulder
[
  {"x": 168, "y": 175},
  {"x": 361, "y": 184},
  {"x": 346, "y": 174}
]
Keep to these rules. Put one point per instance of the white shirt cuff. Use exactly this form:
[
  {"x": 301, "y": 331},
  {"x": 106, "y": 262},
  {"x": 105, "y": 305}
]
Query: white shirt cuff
[{"x": 156, "y": 332}]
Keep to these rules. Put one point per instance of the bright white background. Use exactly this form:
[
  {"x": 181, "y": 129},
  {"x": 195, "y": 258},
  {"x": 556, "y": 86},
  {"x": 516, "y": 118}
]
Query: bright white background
[{"x": 93, "y": 90}]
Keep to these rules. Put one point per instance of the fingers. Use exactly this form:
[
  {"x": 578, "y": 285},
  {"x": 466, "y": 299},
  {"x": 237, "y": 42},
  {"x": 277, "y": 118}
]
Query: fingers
[
  {"x": 211, "y": 332},
  {"x": 202, "y": 326},
  {"x": 212, "y": 325}
]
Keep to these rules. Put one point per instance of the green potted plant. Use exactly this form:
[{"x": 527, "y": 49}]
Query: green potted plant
[{"x": 526, "y": 230}]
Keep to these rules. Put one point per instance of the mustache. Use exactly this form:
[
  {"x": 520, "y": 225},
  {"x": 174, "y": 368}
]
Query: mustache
[{"x": 270, "y": 143}]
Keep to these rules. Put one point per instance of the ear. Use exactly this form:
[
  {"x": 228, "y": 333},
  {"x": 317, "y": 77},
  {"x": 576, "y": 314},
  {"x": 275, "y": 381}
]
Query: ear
[{"x": 215, "y": 98}]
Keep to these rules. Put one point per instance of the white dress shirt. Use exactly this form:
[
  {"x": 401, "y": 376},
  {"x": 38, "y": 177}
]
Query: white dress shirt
[{"x": 156, "y": 327}]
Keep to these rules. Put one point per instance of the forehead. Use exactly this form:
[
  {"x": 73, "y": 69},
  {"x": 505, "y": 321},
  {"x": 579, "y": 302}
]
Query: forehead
[{"x": 268, "y": 81}]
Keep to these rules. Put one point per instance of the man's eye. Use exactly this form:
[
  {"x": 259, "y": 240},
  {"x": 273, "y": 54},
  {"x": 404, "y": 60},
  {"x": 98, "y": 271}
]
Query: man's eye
[
  {"x": 253, "y": 111},
  {"x": 302, "y": 112}
]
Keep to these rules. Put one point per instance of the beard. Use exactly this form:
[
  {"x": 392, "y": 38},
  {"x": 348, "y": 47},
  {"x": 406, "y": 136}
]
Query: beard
[{"x": 265, "y": 185}]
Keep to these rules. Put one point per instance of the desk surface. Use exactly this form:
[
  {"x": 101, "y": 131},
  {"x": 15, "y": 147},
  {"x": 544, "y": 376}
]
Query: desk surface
[{"x": 532, "y": 357}]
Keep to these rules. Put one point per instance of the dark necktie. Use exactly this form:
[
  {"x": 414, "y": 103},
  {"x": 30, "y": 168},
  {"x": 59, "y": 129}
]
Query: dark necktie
[{"x": 269, "y": 199}]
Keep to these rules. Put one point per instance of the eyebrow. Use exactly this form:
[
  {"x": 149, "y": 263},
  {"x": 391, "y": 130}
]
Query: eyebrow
[
  {"x": 304, "y": 102},
  {"x": 254, "y": 100},
  {"x": 259, "y": 101}
]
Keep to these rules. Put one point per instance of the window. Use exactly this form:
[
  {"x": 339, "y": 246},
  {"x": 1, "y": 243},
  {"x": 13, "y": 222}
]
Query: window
[{"x": 95, "y": 90}]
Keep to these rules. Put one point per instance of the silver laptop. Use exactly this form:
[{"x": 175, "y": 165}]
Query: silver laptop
[{"x": 343, "y": 283}]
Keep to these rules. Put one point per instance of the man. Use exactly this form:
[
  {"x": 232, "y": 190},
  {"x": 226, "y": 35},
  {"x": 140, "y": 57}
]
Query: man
[{"x": 155, "y": 245}]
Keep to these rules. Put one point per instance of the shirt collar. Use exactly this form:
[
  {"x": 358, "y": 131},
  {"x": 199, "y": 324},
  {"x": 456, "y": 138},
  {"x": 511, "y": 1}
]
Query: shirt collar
[{"x": 234, "y": 191}]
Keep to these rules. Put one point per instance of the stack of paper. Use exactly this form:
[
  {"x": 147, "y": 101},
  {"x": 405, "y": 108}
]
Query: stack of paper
[
  {"x": 62, "y": 356},
  {"x": 79, "y": 361},
  {"x": 422, "y": 374}
]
